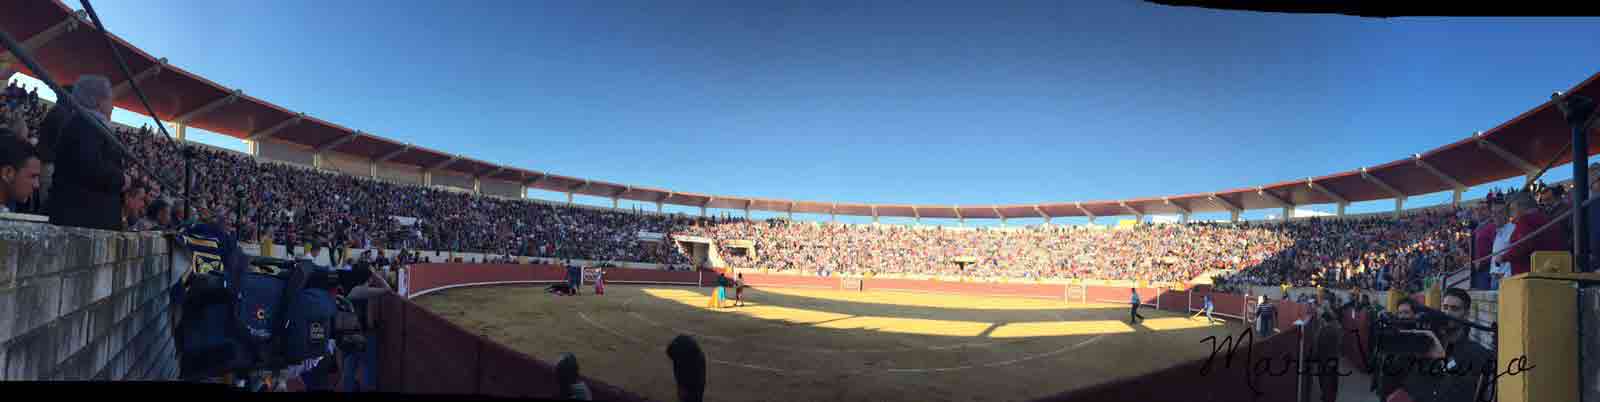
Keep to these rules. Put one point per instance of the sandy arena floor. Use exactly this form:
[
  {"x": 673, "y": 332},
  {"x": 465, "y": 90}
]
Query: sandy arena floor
[{"x": 815, "y": 345}]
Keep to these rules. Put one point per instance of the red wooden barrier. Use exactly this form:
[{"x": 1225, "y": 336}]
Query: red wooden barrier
[
  {"x": 781, "y": 281},
  {"x": 1033, "y": 290}
]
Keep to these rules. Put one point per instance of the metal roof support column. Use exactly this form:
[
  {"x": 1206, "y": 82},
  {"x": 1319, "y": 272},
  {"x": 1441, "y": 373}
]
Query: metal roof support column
[
  {"x": 477, "y": 186},
  {"x": 1288, "y": 208},
  {"x": 791, "y": 211},
  {"x": 1041, "y": 213},
  {"x": 1183, "y": 212},
  {"x": 38, "y": 40},
  {"x": 1528, "y": 169},
  {"x": 1399, "y": 197},
  {"x": 140, "y": 78},
  {"x": 658, "y": 207},
  {"x": 427, "y": 178},
  {"x": 1338, "y": 199},
  {"x": 1085, "y": 212},
  {"x": 372, "y": 167},
  {"x": 1138, "y": 216},
  {"x": 1455, "y": 197},
  {"x": 960, "y": 221},
  {"x": 917, "y": 215},
  {"x": 1233, "y": 209},
  {"x": 614, "y": 203},
  {"x": 832, "y": 213},
  {"x": 569, "y": 198},
  {"x": 874, "y": 214},
  {"x": 183, "y": 130}
]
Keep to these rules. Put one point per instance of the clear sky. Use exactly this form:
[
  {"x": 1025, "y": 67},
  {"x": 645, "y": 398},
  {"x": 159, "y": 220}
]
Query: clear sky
[{"x": 881, "y": 102}]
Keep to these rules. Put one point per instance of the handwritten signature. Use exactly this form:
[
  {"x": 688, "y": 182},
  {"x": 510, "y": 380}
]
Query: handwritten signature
[{"x": 1330, "y": 366}]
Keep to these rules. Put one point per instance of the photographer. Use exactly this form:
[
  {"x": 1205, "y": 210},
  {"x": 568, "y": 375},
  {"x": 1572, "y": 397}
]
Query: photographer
[
  {"x": 1389, "y": 371},
  {"x": 1453, "y": 368}
]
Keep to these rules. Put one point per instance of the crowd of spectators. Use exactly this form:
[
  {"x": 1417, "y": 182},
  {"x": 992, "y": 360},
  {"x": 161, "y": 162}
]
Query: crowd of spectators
[
  {"x": 1342, "y": 253},
  {"x": 294, "y": 206}
]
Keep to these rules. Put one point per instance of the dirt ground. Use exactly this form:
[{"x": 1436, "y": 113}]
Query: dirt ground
[{"x": 807, "y": 345}]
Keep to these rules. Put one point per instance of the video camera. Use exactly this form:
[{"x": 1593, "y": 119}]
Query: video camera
[{"x": 1388, "y": 332}]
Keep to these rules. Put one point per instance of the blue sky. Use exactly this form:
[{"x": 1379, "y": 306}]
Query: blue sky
[{"x": 881, "y": 102}]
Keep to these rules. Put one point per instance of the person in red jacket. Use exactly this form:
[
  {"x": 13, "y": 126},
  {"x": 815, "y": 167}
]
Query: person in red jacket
[
  {"x": 1483, "y": 244},
  {"x": 1526, "y": 214}
]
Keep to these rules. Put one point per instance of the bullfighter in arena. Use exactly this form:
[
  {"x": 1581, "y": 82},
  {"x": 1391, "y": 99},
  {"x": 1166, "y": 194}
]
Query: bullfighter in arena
[
  {"x": 738, "y": 291},
  {"x": 599, "y": 281},
  {"x": 720, "y": 293}
]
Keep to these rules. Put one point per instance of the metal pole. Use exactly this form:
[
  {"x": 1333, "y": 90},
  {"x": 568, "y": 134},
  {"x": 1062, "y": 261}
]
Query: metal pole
[
  {"x": 123, "y": 65},
  {"x": 1578, "y": 110},
  {"x": 73, "y": 108},
  {"x": 1299, "y": 382}
]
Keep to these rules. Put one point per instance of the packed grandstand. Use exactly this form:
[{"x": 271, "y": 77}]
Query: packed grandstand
[
  {"x": 294, "y": 205},
  {"x": 1178, "y": 267}
]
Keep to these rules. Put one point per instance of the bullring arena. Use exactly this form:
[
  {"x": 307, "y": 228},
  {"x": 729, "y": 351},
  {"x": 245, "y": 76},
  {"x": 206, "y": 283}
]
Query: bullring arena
[
  {"x": 814, "y": 338},
  {"x": 893, "y": 312},
  {"x": 879, "y": 346}
]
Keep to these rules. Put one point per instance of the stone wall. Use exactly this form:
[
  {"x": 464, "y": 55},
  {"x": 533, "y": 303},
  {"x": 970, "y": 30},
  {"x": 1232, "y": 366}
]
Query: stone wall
[
  {"x": 1485, "y": 311},
  {"x": 79, "y": 304}
]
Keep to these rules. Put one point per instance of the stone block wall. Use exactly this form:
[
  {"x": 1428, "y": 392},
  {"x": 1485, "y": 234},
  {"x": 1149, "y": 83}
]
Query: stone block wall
[
  {"x": 80, "y": 304},
  {"x": 1485, "y": 311}
]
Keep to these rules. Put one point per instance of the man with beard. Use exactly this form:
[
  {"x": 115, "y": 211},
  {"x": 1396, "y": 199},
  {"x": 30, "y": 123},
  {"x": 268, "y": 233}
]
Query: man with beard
[{"x": 1454, "y": 369}]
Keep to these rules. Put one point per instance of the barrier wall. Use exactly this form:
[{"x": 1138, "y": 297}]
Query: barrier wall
[
  {"x": 438, "y": 357},
  {"x": 81, "y": 304},
  {"x": 422, "y": 279}
]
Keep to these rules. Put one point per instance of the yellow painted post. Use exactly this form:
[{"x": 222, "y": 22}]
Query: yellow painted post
[
  {"x": 266, "y": 246},
  {"x": 1394, "y": 300},
  {"x": 1434, "y": 295}
]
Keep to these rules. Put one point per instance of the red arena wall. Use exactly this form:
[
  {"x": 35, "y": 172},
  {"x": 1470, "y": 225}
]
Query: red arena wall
[{"x": 439, "y": 357}]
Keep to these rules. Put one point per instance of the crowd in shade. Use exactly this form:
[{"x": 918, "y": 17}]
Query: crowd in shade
[{"x": 294, "y": 206}]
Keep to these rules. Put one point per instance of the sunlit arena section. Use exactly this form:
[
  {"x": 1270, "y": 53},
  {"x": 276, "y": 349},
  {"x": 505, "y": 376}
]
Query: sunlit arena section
[{"x": 812, "y": 344}]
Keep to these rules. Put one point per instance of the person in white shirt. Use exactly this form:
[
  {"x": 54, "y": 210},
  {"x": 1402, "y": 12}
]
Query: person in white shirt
[{"x": 1502, "y": 240}]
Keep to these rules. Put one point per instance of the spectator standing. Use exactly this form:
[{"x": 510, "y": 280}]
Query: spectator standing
[
  {"x": 1483, "y": 239},
  {"x": 359, "y": 368},
  {"x": 1528, "y": 218},
  {"x": 89, "y": 178}
]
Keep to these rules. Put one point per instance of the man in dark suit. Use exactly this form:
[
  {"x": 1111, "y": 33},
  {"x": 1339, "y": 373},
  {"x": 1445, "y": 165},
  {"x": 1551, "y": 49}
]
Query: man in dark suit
[{"x": 89, "y": 175}]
